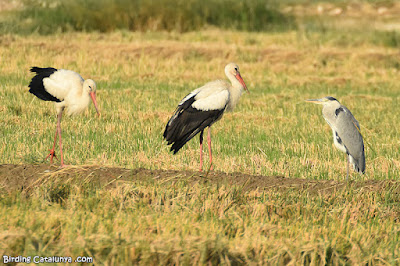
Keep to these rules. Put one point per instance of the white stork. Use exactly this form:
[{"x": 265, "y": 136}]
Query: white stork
[
  {"x": 203, "y": 107},
  {"x": 68, "y": 90}
]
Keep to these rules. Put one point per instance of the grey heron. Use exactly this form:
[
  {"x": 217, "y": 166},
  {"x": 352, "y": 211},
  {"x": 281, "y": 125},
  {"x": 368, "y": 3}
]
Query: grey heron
[{"x": 346, "y": 131}]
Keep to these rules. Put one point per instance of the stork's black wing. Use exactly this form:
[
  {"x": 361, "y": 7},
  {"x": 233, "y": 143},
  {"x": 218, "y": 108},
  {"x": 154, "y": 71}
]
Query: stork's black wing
[
  {"x": 187, "y": 122},
  {"x": 36, "y": 85}
]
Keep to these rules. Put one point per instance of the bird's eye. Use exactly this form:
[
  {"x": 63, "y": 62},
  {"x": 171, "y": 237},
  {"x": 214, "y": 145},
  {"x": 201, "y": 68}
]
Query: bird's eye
[{"x": 236, "y": 68}]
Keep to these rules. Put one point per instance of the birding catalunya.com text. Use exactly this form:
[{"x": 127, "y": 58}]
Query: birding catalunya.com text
[{"x": 41, "y": 259}]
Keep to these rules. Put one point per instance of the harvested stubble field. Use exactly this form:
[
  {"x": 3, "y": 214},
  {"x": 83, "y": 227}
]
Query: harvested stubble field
[
  {"x": 124, "y": 216},
  {"x": 278, "y": 193}
]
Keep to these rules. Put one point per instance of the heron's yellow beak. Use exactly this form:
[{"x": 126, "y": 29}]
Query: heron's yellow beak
[{"x": 316, "y": 101}]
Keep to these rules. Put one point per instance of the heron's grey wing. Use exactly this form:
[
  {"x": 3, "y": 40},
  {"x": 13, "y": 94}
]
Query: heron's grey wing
[{"x": 348, "y": 130}]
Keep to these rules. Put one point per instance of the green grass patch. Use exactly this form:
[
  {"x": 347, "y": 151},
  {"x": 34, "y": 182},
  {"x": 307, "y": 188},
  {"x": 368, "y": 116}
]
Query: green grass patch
[
  {"x": 142, "y": 76},
  {"x": 48, "y": 17}
]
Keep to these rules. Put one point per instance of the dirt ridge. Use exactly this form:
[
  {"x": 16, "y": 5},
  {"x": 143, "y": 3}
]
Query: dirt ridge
[{"x": 19, "y": 177}]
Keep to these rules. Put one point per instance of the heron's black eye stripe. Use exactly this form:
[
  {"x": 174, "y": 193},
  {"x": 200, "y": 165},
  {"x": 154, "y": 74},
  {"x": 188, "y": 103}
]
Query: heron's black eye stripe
[{"x": 330, "y": 98}]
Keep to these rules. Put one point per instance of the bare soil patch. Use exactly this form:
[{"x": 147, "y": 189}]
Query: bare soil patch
[{"x": 24, "y": 177}]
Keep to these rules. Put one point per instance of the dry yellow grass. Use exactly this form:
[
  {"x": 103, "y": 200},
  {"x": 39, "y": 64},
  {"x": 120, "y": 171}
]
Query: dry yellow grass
[{"x": 120, "y": 216}]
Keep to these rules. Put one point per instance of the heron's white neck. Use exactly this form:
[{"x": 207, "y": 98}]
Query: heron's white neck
[{"x": 328, "y": 112}]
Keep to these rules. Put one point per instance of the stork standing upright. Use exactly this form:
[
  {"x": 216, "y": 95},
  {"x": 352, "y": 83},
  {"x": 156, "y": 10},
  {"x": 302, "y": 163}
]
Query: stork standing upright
[
  {"x": 68, "y": 90},
  {"x": 203, "y": 107}
]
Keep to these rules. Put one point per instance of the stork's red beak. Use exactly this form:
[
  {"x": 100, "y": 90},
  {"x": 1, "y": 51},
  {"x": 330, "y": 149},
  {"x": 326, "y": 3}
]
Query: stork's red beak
[
  {"x": 93, "y": 96},
  {"x": 239, "y": 78}
]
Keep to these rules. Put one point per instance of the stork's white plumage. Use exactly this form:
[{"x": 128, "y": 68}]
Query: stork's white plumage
[
  {"x": 68, "y": 90},
  {"x": 203, "y": 107}
]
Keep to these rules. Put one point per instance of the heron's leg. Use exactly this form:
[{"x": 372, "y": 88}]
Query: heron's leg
[
  {"x": 209, "y": 146},
  {"x": 201, "y": 150},
  {"x": 59, "y": 116},
  {"x": 348, "y": 166},
  {"x": 52, "y": 151}
]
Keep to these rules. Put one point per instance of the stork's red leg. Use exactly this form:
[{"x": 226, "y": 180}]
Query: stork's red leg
[
  {"x": 201, "y": 150},
  {"x": 209, "y": 146},
  {"x": 52, "y": 151},
  {"x": 59, "y": 135}
]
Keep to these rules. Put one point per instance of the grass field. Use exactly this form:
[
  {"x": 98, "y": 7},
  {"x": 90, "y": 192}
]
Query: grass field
[{"x": 141, "y": 76}]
